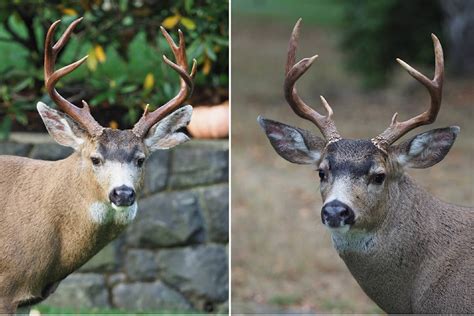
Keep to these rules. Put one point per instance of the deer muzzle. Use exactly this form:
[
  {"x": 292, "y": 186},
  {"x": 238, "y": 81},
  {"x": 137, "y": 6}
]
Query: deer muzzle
[
  {"x": 336, "y": 214},
  {"x": 122, "y": 196}
]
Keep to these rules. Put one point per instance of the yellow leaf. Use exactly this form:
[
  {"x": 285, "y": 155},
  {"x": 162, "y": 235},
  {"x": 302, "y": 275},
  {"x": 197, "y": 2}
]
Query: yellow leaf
[
  {"x": 113, "y": 124},
  {"x": 99, "y": 53},
  {"x": 112, "y": 84},
  {"x": 188, "y": 23},
  {"x": 171, "y": 21},
  {"x": 67, "y": 11},
  {"x": 92, "y": 60},
  {"x": 149, "y": 81},
  {"x": 206, "y": 69}
]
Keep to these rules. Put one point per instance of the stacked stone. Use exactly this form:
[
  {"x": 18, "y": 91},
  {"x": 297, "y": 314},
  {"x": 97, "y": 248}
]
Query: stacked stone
[{"x": 174, "y": 256}]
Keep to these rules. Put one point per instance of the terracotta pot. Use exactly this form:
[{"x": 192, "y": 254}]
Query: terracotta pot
[{"x": 210, "y": 122}]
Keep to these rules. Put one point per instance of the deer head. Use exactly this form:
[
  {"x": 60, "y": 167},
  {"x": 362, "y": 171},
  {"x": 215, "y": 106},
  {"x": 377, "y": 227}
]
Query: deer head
[
  {"x": 113, "y": 159},
  {"x": 357, "y": 177}
]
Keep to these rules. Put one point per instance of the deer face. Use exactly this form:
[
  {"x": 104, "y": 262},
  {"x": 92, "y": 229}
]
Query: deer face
[
  {"x": 114, "y": 160},
  {"x": 356, "y": 177},
  {"x": 353, "y": 180}
]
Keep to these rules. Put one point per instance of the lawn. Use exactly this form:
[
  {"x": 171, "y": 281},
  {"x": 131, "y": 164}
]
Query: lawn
[{"x": 48, "y": 310}]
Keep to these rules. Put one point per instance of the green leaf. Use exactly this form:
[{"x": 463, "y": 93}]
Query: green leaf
[
  {"x": 128, "y": 89},
  {"x": 188, "y": 23},
  {"x": 219, "y": 40},
  {"x": 210, "y": 53},
  {"x": 196, "y": 49},
  {"x": 123, "y": 5},
  {"x": 127, "y": 21},
  {"x": 27, "y": 82},
  {"x": 188, "y": 5}
]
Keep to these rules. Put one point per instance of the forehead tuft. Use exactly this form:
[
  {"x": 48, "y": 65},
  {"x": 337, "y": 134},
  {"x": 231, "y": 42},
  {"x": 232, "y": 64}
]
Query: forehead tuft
[
  {"x": 354, "y": 149},
  {"x": 119, "y": 145},
  {"x": 352, "y": 156}
]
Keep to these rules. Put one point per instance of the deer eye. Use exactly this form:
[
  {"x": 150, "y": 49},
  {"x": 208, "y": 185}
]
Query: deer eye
[
  {"x": 140, "y": 162},
  {"x": 322, "y": 174},
  {"x": 378, "y": 178},
  {"x": 96, "y": 161}
]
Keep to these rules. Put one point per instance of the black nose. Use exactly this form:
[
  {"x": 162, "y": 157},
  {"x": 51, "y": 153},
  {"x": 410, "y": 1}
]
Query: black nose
[
  {"x": 122, "y": 196},
  {"x": 335, "y": 212}
]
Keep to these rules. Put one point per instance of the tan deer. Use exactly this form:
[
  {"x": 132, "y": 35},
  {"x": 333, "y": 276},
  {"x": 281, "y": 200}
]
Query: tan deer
[
  {"x": 54, "y": 216},
  {"x": 409, "y": 251}
]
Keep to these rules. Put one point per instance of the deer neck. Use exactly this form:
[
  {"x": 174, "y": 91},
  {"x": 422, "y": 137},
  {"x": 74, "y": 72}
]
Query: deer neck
[
  {"x": 84, "y": 223},
  {"x": 386, "y": 261}
]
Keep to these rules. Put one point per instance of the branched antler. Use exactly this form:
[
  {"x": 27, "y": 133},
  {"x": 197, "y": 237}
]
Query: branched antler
[
  {"x": 292, "y": 73},
  {"x": 435, "y": 86},
  {"x": 51, "y": 77},
  {"x": 186, "y": 87}
]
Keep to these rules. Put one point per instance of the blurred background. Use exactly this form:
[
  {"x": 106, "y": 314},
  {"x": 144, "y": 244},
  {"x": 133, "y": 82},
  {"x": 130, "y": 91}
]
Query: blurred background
[
  {"x": 124, "y": 70},
  {"x": 173, "y": 257},
  {"x": 282, "y": 256}
]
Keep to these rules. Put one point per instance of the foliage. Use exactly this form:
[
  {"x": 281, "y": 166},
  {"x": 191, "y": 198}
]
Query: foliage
[
  {"x": 124, "y": 70},
  {"x": 374, "y": 33}
]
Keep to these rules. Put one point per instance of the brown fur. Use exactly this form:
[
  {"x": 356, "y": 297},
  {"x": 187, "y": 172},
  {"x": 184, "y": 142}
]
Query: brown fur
[
  {"x": 51, "y": 200},
  {"x": 54, "y": 215}
]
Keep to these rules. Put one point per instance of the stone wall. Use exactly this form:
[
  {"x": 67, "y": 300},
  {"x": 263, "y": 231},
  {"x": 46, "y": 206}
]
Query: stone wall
[{"x": 174, "y": 256}]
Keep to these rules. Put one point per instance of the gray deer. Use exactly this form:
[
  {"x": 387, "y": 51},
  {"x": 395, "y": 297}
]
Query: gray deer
[
  {"x": 54, "y": 216},
  {"x": 409, "y": 251}
]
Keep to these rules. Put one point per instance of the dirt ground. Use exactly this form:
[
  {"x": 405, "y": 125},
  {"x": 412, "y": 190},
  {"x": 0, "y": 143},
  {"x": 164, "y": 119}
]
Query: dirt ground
[{"x": 282, "y": 257}]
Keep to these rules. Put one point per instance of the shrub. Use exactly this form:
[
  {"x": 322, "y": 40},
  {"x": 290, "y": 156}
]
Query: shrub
[
  {"x": 124, "y": 70},
  {"x": 374, "y": 33}
]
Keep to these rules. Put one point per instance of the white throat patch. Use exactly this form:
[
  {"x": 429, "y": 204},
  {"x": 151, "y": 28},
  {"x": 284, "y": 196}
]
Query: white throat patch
[
  {"x": 352, "y": 241},
  {"x": 105, "y": 213}
]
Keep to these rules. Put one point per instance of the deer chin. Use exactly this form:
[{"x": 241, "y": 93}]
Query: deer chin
[
  {"x": 105, "y": 213},
  {"x": 341, "y": 230}
]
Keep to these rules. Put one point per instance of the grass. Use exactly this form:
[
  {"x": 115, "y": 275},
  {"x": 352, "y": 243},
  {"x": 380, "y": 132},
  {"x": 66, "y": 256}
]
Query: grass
[
  {"x": 285, "y": 300},
  {"x": 336, "y": 306},
  {"x": 45, "y": 309}
]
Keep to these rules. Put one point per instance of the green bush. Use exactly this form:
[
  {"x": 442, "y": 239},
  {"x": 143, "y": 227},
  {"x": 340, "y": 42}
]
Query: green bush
[
  {"x": 374, "y": 33},
  {"x": 124, "y": 70}
]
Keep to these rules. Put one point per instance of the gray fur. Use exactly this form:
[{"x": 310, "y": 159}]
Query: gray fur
[{"x": 409, "y": 251}]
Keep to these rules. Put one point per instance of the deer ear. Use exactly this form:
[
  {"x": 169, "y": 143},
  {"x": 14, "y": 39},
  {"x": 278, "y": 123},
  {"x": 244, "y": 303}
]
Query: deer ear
[
  {"x": 426, "y": 149},
  {"x": 165, "y": 134},
  {"x": 64, "y": 130},
  {"x": 294, "y": 144}
]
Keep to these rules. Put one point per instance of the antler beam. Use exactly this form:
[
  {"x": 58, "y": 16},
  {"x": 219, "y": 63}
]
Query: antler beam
[
  {"x": 292, "y": 73},
  {"x": 435, "y": 87},
  {"x": 51, "y": 77},
  {"x": 186, "y": 86}
]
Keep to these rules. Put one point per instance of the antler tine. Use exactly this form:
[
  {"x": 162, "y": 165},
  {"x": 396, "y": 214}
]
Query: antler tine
[
  {"x": 51, "y": 77},
  {"x": 435, "y": 87},
  {"x": 292, "y": 73},
  {"x": 148, "y": 119}
]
